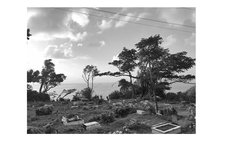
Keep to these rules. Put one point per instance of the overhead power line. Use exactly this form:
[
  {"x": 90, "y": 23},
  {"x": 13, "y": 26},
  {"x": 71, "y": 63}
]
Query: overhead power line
[
  {"x": 124, "y": 20},
  {"x": 147, "y": 19}
]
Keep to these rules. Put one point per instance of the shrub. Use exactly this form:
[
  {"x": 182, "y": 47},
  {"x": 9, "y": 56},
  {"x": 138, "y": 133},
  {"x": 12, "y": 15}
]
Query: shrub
[
  {"x": 115, "y": 95},
  {"x": 87, "y": 93},
  {"x": 107, "y": 118},
  {"x": 95, "y": 118},
  {"x": 44, "y": 110},
  {"x": 33, "y": 95},
  {"x": 122, "y": 112}
]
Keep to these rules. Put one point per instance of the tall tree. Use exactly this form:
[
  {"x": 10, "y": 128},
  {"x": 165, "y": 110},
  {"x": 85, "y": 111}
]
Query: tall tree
[
  {"x": 48, "y": 78},
  {"x": 163, "y": 68},
  {"x": 126, "y": 63},
  {"x": 89, "y": 72}
]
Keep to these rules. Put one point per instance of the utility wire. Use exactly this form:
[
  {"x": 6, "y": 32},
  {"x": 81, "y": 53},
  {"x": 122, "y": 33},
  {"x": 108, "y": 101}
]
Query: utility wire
[
  {"x": 124, "y": 20},
  {"x": 159, "y": 21}
]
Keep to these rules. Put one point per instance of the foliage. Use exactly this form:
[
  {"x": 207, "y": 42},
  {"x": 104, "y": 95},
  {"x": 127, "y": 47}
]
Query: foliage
[
  {"x": 89, "y": 72},
  {"x": 33, "y": 76},
  {"x": 49, "y": 79},
  {"x": 28, "y": 34},
  {"x": 162, "y": 67},
  {"x": 124, "y": 85},
  {"x": 44, "y": 110},
  {"x": 76, "y": 98},
  {"x": 87, "y": 93},
  {"x": 95, "y": 118},
  {"x": 124, "y": 111},
  {"x": 115, "y": 95},
  {"x": 35, "y": 96},
  {"x": 107, "y": 118},
  {"x": 126, "y": 64}
]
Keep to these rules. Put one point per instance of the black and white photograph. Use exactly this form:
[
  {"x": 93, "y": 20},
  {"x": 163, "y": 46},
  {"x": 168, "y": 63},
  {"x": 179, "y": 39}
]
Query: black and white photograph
[{"x": 111, "y": 70}]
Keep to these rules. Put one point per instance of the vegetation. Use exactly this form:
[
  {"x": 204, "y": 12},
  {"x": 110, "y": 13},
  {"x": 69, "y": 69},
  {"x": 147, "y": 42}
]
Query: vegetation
[
  {"x": 87, "y": 93},
  {"x": 158, "y": 68},
  {"x": 47, "y": 78},
  {"x": 89, "y": 72}
]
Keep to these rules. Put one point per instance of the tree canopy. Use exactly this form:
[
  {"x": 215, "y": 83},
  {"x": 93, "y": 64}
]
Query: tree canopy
[{"x": 47, "y": 77}]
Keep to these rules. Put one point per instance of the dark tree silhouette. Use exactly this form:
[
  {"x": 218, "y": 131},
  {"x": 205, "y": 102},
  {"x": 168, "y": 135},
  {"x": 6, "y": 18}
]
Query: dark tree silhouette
[
  {"x": 163, "y": 68},
  {"x": 48, "y": 78},
  {"x": 28, "y": 34},
  {"x": 126, "y": 63}
]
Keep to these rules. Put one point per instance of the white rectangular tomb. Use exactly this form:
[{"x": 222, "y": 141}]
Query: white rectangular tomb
[
  {"x": 75, "y": 122},
  {"x": 141, "y": 112},
  {"x": 166, "y": 128},
  {"x": 92, "y": 125}
]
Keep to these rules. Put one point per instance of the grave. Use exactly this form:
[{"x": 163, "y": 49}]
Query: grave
[
  {"x": 91, "y": 125},
  {"x": 68, "y": 122},
  {"x": 166, "y": 128}
]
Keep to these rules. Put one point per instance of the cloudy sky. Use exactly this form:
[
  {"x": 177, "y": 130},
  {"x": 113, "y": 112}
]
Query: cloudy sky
[{"x": 76, "y": 37}]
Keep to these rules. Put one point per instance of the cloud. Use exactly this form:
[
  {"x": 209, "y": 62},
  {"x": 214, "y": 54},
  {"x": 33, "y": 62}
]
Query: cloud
[
  {"x": 97, "y": 44},
  {"x": 48, "y": 20},
  {"x": 191, "y": 41},
  {"x": 79, "y": 18},
  {"x": 104, "y": 25},
  {"x": 141, "y": 15},
  {"x": 124, "y": 18},
  {"x": 65, "y": 35},
  {"x": 82, "y": 58},
  {"x": 64, "y": 51},
  {"x": 79, "y": 44},
  {"x": 173, "y": 15},
  {"x": 170, "y": 40},
  {"x": 102, "y": 43}
]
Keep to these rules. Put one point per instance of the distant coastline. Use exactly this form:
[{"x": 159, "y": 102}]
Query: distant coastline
[{"x": 105, "y": 89}]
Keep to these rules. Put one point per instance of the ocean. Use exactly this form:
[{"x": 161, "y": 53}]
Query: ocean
[{"x": 105, "y": 89}]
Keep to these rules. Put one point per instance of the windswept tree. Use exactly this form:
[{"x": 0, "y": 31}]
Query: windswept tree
[
  {"x": 48, "y": 78},
  {"x": 89, "y": 72},
  {"x": 126, "y": 63},
  {"x": 28, "y": 34},
  {"x": 162, "y": 67}
]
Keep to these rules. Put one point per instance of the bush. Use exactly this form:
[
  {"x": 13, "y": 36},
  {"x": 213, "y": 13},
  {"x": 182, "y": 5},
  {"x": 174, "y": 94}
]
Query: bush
[
  {"x": 44, "y": 110},
  {"x": 87, "y": 93},
  {"x": 115, "y": 95},
  {"x": 95, "y": 118},
  {"x": 122, "y": 112},
  {"x": 107, "y": 118},
  {"x": 33, "y": 95}
]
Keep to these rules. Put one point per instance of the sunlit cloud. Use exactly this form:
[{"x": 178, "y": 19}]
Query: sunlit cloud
[
  {"x": 105, "y": 24},
  {"x": 80, "y": 18},
  {"x": 123, "y": 19}
]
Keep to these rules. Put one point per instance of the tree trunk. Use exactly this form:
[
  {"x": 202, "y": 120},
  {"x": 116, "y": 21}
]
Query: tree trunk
[
  {"x": 152, "y": 88},
  {"x": 40, "y": 90},
  {"x": 131, "y": 83},
  {"x": 92, "y": 83},
  {"x": 155, "y": 100}
]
